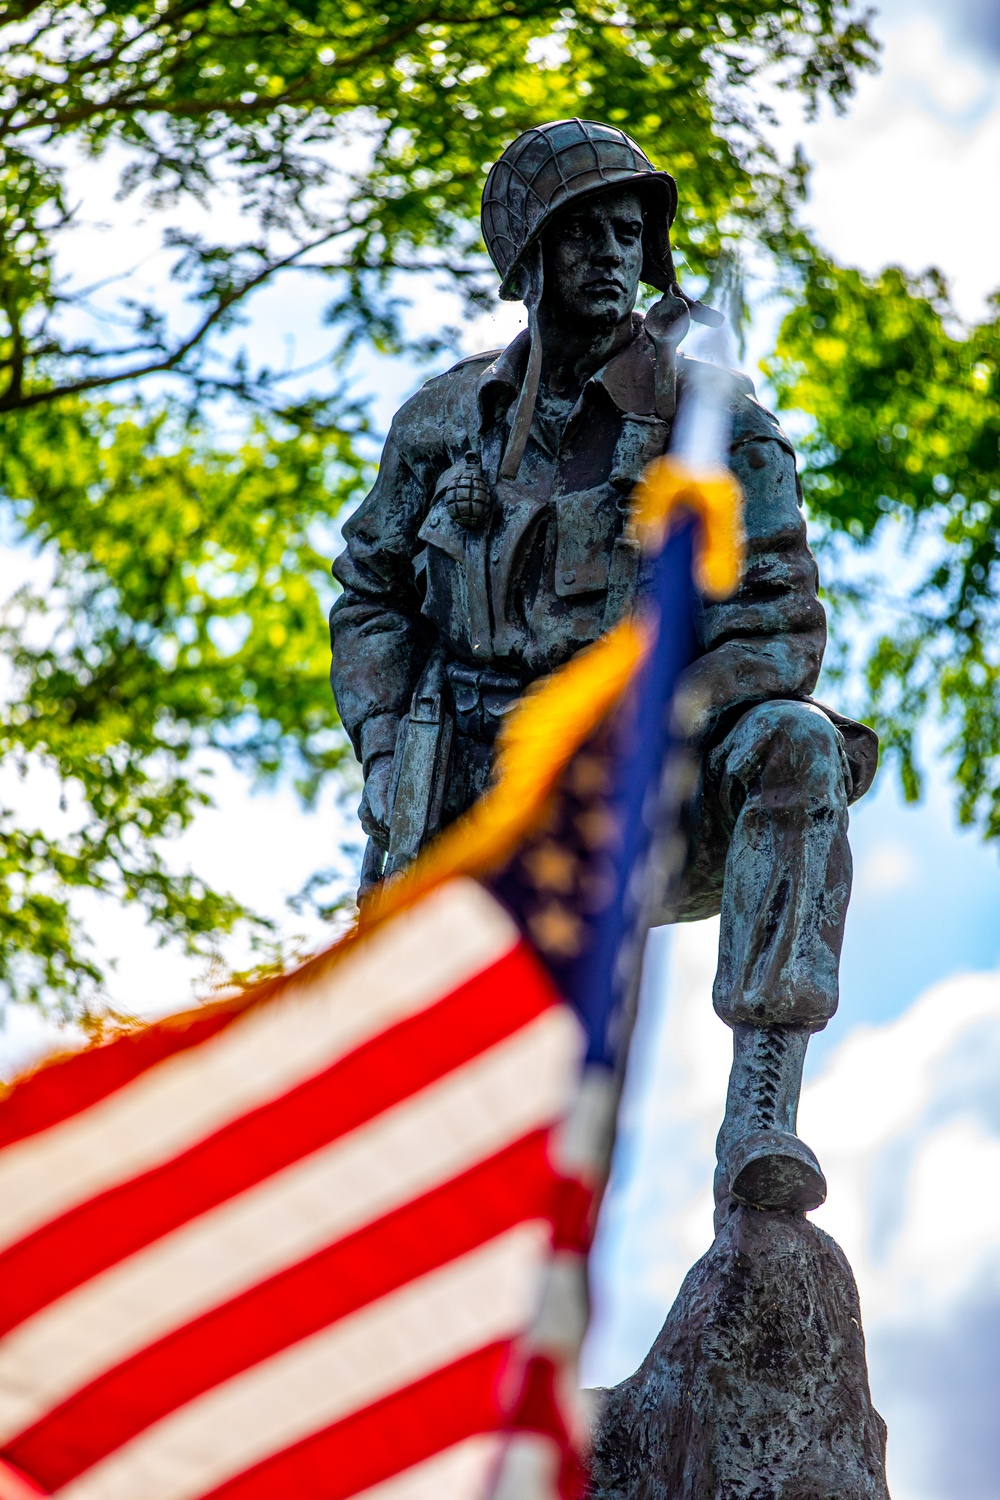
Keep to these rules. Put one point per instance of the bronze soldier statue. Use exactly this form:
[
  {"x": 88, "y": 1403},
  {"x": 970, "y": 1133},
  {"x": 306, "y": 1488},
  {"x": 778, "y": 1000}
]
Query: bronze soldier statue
[{"x": 493, "y": 546}]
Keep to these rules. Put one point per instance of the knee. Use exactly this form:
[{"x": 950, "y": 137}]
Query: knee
[{"x": 789, "y": 746}]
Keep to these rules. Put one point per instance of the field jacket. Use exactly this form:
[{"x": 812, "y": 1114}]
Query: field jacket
[{"x": 552, "y": 567}]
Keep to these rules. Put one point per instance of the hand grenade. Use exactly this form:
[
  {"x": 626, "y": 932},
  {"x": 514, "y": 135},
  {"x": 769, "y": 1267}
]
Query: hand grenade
[{"x": 467, "y": 497}]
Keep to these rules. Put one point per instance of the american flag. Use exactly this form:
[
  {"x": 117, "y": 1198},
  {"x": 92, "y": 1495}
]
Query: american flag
[{"x": 328, "y": 1238}]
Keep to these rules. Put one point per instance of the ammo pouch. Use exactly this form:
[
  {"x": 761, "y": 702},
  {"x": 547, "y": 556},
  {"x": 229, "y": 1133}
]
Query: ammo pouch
[{"x": 482, "y": 698}]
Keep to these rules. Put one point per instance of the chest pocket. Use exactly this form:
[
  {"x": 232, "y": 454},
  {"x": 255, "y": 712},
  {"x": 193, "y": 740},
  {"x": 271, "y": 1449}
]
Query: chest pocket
[
  {"x": 440, "y": 529},
  {"x": 642, "y": 439},
  {"x": 586, "y": 524},
  {"x": 590, "y": 521},
  {"x": 456, "y": 597}
]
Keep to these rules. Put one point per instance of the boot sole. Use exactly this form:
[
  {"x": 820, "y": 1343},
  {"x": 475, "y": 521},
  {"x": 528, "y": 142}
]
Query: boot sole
[{"x": 776, "y": 1171}]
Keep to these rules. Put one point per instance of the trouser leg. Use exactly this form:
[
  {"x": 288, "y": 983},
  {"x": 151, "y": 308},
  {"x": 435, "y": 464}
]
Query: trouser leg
[{"x": 783, "y": 785}]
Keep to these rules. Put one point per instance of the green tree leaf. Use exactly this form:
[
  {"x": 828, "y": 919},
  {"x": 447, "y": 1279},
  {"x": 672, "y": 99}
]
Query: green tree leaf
[
  {"x": 183, "y": 615},
  {"x": 906, "y": 404}
]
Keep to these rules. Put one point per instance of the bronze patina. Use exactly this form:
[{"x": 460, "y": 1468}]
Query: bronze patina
[{"x": 492, "y": 547}]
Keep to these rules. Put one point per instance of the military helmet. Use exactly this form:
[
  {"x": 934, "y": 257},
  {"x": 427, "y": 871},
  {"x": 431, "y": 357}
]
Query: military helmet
[{"x": 549, "y": 166}]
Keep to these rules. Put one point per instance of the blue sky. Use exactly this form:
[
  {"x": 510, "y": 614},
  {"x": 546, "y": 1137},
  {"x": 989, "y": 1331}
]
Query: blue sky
[
  {"x": 901, "y": 1087},
  {"x": 926, "y": 904}
]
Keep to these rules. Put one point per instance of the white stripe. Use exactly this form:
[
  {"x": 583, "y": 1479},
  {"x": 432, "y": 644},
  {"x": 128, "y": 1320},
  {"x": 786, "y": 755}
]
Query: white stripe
[
  {"x": 13, "y": 1487},
  {"x": 464, "y": 1472},
  {"x": 469, "y": 1304},
  {"x": 529, "y": 1469},
  {"x": 558, "y": 1327},
  {"x": 582, "y": 1145},
  {"x": 516, "y": 1086},
  {"x": 419, "y": 956}
]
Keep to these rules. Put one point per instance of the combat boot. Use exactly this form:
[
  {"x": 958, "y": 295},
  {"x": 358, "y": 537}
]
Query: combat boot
[{"x": 762, "y": 1162}]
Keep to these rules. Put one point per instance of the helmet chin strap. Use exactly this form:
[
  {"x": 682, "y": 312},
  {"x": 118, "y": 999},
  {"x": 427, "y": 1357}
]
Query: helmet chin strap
[
  {"x": 666, "y": 324},
  {"x": 524, "y": 411}
]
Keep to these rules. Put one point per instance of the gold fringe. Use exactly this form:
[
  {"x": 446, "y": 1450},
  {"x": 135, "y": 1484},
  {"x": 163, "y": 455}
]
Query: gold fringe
[{"x": 668, "y": 487}]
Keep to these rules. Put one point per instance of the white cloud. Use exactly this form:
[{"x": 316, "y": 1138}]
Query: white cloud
[
  {"x": 908, "y": 176},
  {"x": 905, "y": 1118},
  {"x": 886, "y": 868},
  {"x": 658, "y": 1214}
]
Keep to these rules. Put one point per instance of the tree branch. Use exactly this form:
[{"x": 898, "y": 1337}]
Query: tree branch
[{"x": 16, "y": 399}]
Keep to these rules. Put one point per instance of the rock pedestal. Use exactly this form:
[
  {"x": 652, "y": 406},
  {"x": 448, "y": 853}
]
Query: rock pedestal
[{"x": 757, "y": 1386}]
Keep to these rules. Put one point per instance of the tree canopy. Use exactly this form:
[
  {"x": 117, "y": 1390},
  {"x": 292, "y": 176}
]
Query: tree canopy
[
  {"x": 354, "y": 140},
  {"x": 180, "y": 615},
  {"x": 325, "y": 138},
  {"x": 906, "y": 404}
]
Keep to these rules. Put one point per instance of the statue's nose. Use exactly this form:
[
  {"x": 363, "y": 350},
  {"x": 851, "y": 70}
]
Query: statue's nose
[{"x": 607, "y": 250}]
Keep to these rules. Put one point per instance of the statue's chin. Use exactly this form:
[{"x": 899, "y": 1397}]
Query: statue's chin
[{"x": 600, "y": 314}]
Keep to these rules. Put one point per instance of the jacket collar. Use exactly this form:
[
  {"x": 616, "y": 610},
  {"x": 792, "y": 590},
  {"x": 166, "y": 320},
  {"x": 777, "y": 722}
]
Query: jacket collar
[{"x": 627, "y": 378}]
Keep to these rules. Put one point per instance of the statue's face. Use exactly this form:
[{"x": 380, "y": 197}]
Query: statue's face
[{"x": 592, "y": 257}]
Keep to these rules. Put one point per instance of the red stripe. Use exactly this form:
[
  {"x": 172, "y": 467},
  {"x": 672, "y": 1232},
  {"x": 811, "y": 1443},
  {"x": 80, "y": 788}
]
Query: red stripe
[
  {"x": 68, "y": 1085},
  {"x": 386, "y": 1070},
  {"x": 410, "y": 1426},
  {"x": 539, "y": 1411},
  {"x": 575, "y": 1215},
  {"x": 515, "y": 1185}
]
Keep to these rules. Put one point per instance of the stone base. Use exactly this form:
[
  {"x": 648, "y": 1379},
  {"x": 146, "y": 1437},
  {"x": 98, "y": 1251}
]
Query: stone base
[{"x": 757, "y": 1387}]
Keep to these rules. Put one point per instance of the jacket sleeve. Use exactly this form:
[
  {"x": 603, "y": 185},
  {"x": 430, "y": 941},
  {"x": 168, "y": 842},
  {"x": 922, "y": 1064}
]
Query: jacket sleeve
[
  {"x": 379, "y": 640},
  {"x": 767, "y": 641}
]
